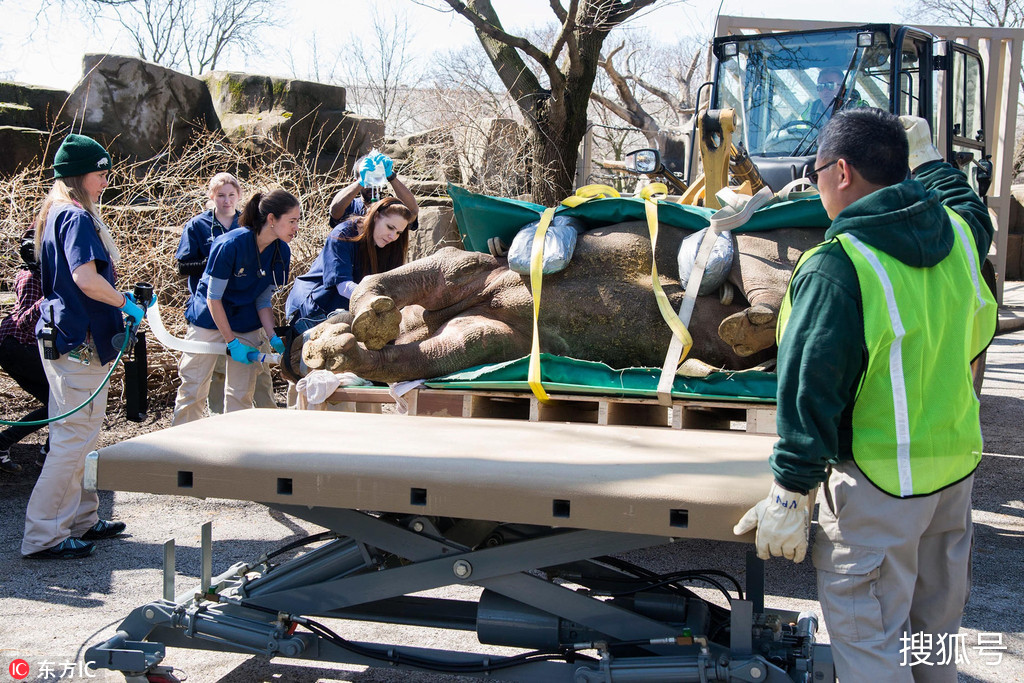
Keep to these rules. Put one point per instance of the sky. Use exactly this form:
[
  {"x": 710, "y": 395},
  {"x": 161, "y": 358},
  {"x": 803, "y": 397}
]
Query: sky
[{"x": 50, "y": 52}]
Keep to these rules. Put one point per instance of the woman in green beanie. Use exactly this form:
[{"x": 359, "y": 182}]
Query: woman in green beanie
[{"x": 81, "y": 313}]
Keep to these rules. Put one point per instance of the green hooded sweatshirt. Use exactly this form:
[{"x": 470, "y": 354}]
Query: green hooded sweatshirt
[{"x": 824, "y": 355}]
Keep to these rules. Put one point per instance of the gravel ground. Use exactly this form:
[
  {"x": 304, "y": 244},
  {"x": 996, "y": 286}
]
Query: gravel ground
[{"x": 50, "y": 612}]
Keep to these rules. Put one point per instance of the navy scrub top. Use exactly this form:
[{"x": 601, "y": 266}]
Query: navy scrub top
[
  {"x": 234, "y": 257},
  {"x": 316, "y": 292},
  {"x": 196, "y": 239},
  {"x": 71, "y": 240},
  {"x": 356, "y": 208}
]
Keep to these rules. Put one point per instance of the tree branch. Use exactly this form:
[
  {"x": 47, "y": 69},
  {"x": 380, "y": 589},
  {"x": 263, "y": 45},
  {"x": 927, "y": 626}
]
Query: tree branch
[
  {"x": 556, "y": 7},
  {"x": 567, "y": 34},
  {"x": 631, "y": 110},
  {"x": 493, "y": 30}
]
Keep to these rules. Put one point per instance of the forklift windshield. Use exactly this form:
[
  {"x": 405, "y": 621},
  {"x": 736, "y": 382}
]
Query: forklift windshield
[{"x": 785, "y": 87}]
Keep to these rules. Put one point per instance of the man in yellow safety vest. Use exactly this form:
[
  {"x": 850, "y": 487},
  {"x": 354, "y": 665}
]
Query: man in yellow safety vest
[{"x": 875, "y": 398}]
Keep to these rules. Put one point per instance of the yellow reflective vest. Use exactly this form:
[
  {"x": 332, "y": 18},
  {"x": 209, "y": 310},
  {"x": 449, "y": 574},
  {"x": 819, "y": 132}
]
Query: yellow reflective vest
[{"x": 915, "y": 418}]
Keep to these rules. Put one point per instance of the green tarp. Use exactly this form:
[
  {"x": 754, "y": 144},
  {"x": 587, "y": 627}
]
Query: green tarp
[
  {"x": 481, "y": 217},
  {"x": 572, "y": 376}
]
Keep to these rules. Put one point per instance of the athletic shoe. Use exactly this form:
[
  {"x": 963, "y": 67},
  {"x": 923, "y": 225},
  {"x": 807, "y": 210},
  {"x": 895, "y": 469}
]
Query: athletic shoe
[
  {"x": 103, "y": 529},
  {"x": 8, "y": 466},
  {"x": 68, "y": 549}
]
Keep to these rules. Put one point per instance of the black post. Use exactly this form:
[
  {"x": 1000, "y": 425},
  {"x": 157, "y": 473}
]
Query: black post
[{"x": 136, "y": 387}]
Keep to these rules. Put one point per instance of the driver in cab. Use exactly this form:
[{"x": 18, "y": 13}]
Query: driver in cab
[{"x": 819, "y": 111}]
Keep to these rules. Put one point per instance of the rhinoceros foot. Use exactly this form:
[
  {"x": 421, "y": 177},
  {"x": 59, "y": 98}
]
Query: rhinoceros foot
[
  {"x": 749, "y": 331},
  {"x": 331, "y": 346},
  {"x": 377, "y": 322}
]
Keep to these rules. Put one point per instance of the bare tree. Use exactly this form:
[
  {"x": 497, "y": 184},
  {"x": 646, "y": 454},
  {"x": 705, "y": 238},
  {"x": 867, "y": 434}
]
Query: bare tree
[
  {"x": 653, "y": 88},
  {"x": 1009, "y": 13},
  {"x": 554, "y": 98},
  {"x": 1000, "y": 13},
  {"x": 378, "y": 70},
  {"x": 189, "y": 35}
]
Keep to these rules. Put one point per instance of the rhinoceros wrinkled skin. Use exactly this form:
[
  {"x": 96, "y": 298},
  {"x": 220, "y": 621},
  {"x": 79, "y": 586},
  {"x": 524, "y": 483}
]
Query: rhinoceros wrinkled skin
[{"x": 457, "y": 309}]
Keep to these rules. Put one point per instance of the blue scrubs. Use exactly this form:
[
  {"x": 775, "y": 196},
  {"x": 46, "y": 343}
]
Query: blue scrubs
[
  {"x": 234, "y": 257},
  {"x": 71, "y": 240},
  {"x": 316, "y": 293},
  {"x": 356, "y": 208},
  {"x": 196, "y": 239}
]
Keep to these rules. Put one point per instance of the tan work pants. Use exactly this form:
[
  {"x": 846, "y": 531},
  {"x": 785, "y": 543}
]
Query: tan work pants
[
  {"x": 263, "y": 395},
  {"x": 889, "y": 568},
  {"x": 59, "y": 507},
  {"x": 195, "y": 371}
]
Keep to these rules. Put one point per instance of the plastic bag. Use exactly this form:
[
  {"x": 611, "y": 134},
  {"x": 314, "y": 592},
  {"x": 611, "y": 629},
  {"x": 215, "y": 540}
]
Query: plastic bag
[
  {"x": 559, "y": 243},
  {"x": 719, "y": 261}
]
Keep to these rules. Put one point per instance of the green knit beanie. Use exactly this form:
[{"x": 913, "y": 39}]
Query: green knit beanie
[{"x": 78, "y": 155}]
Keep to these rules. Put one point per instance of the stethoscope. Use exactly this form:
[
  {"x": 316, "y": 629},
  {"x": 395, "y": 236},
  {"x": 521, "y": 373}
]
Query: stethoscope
[{"x": 277, "y": 260}]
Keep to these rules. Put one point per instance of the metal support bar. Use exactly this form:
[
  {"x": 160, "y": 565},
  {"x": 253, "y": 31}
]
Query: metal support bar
[
  {"x": 741, "y": 625},
  {"x": 755, "y": 581},
  {"x": 169, "y": 569},
  {"x": 206, "y": 557}
]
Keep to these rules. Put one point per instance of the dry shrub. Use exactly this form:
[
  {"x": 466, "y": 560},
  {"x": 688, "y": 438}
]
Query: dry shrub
[{"x": 148, "y": 203}]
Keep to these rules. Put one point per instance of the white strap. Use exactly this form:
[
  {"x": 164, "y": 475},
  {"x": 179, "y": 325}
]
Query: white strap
[{"x": 737, "y": 210}]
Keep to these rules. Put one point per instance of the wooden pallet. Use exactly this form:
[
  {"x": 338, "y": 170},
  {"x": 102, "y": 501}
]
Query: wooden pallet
[{"x": 756, "y": 418}]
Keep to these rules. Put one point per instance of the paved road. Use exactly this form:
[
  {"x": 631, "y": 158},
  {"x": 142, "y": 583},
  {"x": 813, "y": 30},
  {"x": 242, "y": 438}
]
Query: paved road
[{"x": 50, "y": 612}]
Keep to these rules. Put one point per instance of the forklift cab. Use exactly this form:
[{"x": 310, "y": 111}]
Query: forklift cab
[{"x": 771, "y": 79}]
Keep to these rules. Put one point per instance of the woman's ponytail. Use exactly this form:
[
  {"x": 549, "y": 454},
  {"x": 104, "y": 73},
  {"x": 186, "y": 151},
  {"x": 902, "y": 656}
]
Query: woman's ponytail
[
  {"x": 261, "y": 205},
  {"x": 251, "y": 217}
]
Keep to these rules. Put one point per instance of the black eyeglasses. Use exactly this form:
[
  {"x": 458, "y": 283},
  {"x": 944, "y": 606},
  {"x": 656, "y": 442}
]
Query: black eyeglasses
[
  {"x": 813, "y": 175},
  {"x": 828, "y": 85}
]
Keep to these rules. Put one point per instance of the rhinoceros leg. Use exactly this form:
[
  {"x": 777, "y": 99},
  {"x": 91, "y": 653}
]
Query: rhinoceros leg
[
  {"x": 464, "y": 341},
  {"x": 444, "y": 284},
  {"x": 750, "y": 330},
  {"x": 764, "y": 263}
]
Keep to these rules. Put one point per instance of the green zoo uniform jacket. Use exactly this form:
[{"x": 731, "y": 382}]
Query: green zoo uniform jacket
[{"x": 824, "y": 355}]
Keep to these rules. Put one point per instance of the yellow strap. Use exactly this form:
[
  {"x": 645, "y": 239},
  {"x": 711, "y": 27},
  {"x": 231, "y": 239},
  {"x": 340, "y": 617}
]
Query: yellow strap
[
  {"x": 651, "y": 194},
  {"x": 536, "y": 275},
  {"x": 588, "y": 192}
]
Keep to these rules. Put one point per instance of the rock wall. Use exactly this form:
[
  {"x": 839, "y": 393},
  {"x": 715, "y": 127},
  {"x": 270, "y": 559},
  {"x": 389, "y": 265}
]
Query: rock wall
[
  {"x": 137, "y": 108},
  {"x": 27, "y": 114},
  {"x": 309, "y": 119}
]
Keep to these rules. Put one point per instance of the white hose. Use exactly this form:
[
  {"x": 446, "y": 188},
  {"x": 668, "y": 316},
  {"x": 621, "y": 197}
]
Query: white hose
[
  {"x": 173, "y": 343},
  {"x": 156, "y": 324}
]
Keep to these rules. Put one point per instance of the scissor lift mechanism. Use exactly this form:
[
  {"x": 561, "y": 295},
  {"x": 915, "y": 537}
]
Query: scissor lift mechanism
[{"x": 570, "y": 497}]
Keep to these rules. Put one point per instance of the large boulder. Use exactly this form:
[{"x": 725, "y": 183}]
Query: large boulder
[
  {"x": 138, "y": 108},
  {"x": 308, "y": 119},
  {"x": 437, "y": 229},
  {"x": 21, "y": 147},
  {"x": 30, "y": 106},
  {"x": 427, "y": 155},
  {"x": 494, "y": 153}
]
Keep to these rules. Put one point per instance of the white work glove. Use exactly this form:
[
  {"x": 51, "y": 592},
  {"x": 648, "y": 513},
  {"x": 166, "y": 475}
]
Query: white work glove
[
  {"x": 919, "y": 136},
  {"x": 782, "y": 520}
]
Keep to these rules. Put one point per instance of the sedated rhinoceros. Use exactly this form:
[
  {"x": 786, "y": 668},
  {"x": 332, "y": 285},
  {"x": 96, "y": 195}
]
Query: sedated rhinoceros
[{"x": 456, "y": 309}]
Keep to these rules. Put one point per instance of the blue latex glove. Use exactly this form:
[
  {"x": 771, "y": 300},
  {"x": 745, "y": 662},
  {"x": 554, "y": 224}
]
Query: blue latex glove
[
  {"x": 368, "y": 167},
  {"x": 240, "y": 351},
  {"x": 389, "y": 165},
  {"x": 131, "y": 309},
  {"x": 277, "y": 344}
]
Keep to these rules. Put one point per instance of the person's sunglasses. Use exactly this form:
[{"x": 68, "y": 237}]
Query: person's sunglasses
[
  {"x": 813, "y": 175},
  {"x": 828, "y": 85}
]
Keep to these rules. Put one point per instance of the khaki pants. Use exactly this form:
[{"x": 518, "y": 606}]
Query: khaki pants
[
  {"x": 196, "y": 370},
  {"x": 889, "y": 568},
  {"x": 59, "y": 507},
  {"x": 215, "y": 397},
  {"x": 263, "y": 395}
]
